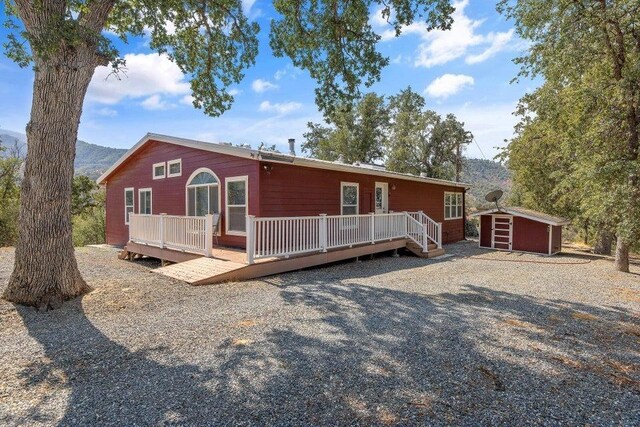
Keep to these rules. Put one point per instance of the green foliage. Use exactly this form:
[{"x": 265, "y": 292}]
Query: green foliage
[
  {"x": 11, "y": 161},
  {"x": 484, "y": 176},
  {"x": 82, "y": 194},
  {"x": 335, "y": 43},
  {"x": 576, "y": 149},
  {"x": 89, "y": 214},
  {"x": 420, "y": 141},
  {"x": 401, "y": 132},
  {"x": 89, "y": 226},
  {"x": 213, "y": 42},
  {"x": 357, "y": 134}
]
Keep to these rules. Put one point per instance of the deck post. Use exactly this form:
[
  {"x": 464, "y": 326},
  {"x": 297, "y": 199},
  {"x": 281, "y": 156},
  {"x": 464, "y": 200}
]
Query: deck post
[
  {"x": 372, "y": 228},
  {"x": 425, "y": 239},
  {"x": 208, "y": 236},
  {"x": 251, "y": 238},
  {"x": 323, "y": 232},
  {"x": 162, "y": 215},
  {"x": 439, "y": 235}
]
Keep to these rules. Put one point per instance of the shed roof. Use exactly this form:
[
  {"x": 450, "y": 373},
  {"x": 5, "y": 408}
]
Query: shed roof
[
  {"x": 526, "y": 213},
  {"x": 271, "y": 156}
]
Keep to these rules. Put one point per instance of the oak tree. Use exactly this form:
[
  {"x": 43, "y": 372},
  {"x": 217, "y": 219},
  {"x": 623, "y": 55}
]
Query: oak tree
[
  {"x": 588, "y": 52},
  {"x": 213, "y": 43}
]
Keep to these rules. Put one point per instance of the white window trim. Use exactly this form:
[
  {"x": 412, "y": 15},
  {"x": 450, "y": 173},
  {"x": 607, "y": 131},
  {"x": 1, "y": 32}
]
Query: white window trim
[
  {"x": 153, "y": 170},
  {"x": 351, "y": 184},
  {"x": 133, "y": 197},
  {"x": 174, "y": 162},
  {"x": 187, "y": 186},
  {"x": 140, "y": 191},
  {"x": 456, "y": 205},
  {"x": 244, "y": 178}
]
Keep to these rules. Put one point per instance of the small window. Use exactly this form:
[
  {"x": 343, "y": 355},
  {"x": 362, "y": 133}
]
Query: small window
[
  {"x": 174, "y": 168},
  {"x": 237, "y": 190},
  {"x": 144, "y": 202},
  {"x": 159, "y": 170},
  {"x": 453, "y": 205},
  {"x": 349, "y": 198},
  {"x": 128, "y": 203}
]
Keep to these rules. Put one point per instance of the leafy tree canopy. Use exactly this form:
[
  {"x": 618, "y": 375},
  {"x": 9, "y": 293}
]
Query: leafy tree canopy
[{"x": 213, "y": 41}]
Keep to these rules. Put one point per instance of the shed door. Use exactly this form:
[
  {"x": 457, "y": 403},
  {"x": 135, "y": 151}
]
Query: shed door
[{"x": 502, "y": 232}]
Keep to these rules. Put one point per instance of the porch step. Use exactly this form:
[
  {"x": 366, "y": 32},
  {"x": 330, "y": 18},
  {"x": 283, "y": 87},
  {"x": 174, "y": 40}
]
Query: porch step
[{"x": 417, "y": 250}]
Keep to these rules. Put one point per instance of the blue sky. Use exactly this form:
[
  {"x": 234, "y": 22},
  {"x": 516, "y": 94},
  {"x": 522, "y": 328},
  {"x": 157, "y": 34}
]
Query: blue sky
[{"x": 465, "y": 71}]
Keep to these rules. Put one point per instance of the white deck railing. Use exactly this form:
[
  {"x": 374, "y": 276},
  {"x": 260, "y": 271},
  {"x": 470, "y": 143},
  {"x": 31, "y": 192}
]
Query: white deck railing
[
  {"x": 286, "y": 236},
  {"x": 432, "y": 231},
  {"x": 184, "y": 233}
]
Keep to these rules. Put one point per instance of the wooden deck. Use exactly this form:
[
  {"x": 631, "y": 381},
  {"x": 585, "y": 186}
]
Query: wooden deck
[{"x": 230, "y": 264}]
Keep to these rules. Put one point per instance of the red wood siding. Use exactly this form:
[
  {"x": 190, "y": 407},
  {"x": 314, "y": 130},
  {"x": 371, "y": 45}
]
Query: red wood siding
[
  {"x": 288, "y": 190},
  {"x": 169, "y": 194},
  {"x": 556, "y": 239},
  {"x": 485, "y": 231},
  {"x": 530, "y": 236}
]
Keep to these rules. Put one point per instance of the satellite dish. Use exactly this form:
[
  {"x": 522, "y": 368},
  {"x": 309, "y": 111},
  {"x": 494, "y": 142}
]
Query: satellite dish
[{"x": 493, "y": 197}]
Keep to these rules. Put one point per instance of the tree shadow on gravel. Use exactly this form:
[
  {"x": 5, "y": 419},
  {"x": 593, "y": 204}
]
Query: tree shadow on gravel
[{"x": 359, "y": 354}]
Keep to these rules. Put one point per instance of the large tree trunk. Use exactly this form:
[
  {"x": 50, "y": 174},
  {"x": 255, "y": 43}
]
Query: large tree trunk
[
  {"x": 622, "y": 255},
  {"x": 45, "y": 271}
]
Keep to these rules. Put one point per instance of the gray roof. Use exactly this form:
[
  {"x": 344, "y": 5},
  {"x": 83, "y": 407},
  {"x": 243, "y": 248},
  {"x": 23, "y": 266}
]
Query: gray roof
[{"x": 526, "y": 213}]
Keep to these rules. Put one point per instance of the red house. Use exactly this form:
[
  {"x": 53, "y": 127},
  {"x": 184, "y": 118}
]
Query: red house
[
  {"x": 164, "y": 190},
  {"x": 521, "y": 230}
]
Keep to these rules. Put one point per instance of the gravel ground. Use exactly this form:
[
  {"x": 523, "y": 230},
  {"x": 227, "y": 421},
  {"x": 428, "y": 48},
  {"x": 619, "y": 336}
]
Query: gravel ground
[{"x": 471, "y": 339}]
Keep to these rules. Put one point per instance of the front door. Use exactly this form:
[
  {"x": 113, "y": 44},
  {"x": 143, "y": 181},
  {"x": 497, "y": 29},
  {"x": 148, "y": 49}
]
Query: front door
[
  {"x": 501, "y": 232},
  {"x": 382, "y": 197}
]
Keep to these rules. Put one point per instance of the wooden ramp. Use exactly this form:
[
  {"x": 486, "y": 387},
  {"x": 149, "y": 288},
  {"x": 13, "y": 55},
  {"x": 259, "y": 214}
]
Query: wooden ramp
[
  {"x": 204, "y": 271},
  {"x": 199, "y": 269}
]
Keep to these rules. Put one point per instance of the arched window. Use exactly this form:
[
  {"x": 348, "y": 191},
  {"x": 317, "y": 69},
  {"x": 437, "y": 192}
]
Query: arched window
[{"x": 203, "y": 193}]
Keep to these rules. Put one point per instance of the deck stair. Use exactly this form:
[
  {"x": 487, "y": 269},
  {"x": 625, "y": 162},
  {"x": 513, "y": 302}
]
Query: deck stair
[{"x": 417, "y": 250}]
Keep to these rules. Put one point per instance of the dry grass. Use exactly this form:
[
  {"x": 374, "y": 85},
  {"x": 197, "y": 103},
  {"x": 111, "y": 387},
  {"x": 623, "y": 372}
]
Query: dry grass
[
  {"x": 521, "y": 324},
  {"x": 631, "y": 329},
  {"x": 627, "y": 294},
  {"x": 387, "y": 417},
  {"x": 579, "y": 315},
  {"x": 247, "y": 323}
]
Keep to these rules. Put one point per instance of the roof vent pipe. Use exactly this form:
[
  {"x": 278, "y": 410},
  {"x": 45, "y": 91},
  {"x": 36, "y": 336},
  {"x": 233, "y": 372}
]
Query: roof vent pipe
[{"x": 292, "y": 146}]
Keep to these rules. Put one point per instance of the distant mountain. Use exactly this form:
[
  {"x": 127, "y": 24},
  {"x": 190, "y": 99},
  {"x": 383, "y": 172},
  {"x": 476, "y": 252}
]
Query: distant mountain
[
  {"x": 485, "y": 176},
  {"x": 91, "y": 159}
]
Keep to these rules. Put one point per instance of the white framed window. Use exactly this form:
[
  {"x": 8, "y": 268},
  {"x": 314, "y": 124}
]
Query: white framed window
[
  {"x": 203, "y": 193},
  {"x": 349, "y": 197},
  {"x": 453, "y": 205},
  {"x": 174, "y": 168},
  {"x": 237, "y": 193},
  {"x": 159, "y": 170},
  {"x": 144, "y": 201},
  {"x": 129, "y": 197}
]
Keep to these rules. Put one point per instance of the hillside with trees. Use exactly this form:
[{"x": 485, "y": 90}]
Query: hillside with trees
[
  {"x": 485, "y": 176},
  {"x": 91, "y": 159}
]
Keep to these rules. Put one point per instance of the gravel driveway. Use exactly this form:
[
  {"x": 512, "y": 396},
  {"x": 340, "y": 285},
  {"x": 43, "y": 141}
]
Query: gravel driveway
[{"x": 472, "y": 339}]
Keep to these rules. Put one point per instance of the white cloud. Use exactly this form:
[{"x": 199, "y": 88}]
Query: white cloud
[
  {"x": 187, "y": 100},
  {"x": 155, "y": 102},
  {"x": 280, "y": 108},
  {"x": 448, "y": 84},
  {"x": 439, "y": 47},
  {"x": 107, "y": 112},
  {"x": 145, "y": 75},
  {"x": 247, "y": 5},
  {"x": 260, "y": 85},
  {"x": 234, "y": 91},
  {"x": 499, "y": 42}
]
